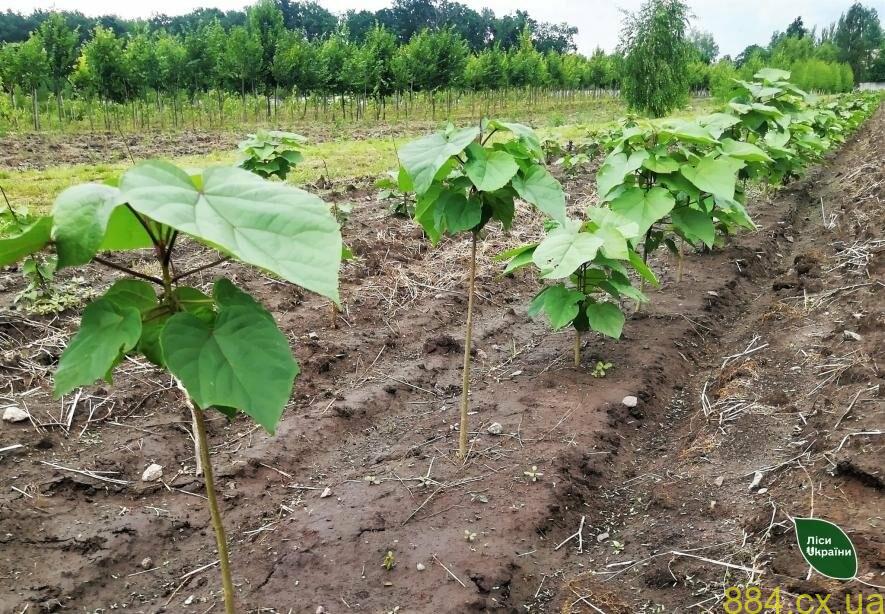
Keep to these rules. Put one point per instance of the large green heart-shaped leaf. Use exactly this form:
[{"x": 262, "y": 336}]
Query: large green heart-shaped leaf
[
  {"x": 524, "y": 133},
  {"x": 644, "y": 207},
  {"x": 614, "y": 230},
  {"x": 241, "y": 360},
  {"x": 827, "y": 548},
  {"x": 424, "y": 157},
  {"x": 717, "y": 123},
  {"x": 741, "y": 150},
  {"x": 772, "y": 74},
  {"x": 694, "y": 225},
  {"x": 489, "y": 171},
  {"x": 690, "y": 132},
  {"x": 565, "y": 249},
  {"x": 606, "y": 319},
  {"x": 133, "y": 293},
  {"x": 107, "y": 331},
  {"x": 538, "y": 187},
  {"x": 31, "y": 239},
  {"x": 716, "y": 175},
  {"x": 455, "y": 213},
  {"x": 615, "y": 169},
  {"x": 90, "y": 217},
  {"x": 270, "y": 225},
  {"x": 561, "y": 305}
]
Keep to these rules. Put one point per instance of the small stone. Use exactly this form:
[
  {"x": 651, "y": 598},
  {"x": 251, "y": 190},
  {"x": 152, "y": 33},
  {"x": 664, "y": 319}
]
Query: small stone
[
  {"x": 602, "y": 537},
  {"x": 762, "y": 491},
  {"x": 481, "y": 355},
  {"x": 630, "y": 401},
  {"x": 189, "y": 600},
  {"x": 146, "y": 562},
  {"x": 515, "y": 373},
  {"x": 495, "y": 428},
  {"x": 153, "y": 473},
  {"x": 420, "y": 567},
  {"x": 757, "y": 479},
  {"x": 851, "y": 336},
  {"x": 14, "y": 413},
  {"x": 327, "y": 492},
  {"x": 320, "y": 610},
  {"x": 718, "y": 481},
  {"x": 313, "y": 335}
]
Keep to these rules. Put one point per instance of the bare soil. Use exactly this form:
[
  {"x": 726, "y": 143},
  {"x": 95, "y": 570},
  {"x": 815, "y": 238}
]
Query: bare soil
[{"x": 744, "y": 366}]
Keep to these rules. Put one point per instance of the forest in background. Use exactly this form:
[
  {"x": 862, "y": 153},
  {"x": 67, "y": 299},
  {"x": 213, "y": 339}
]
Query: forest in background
[{"x": 64, "y": 67}]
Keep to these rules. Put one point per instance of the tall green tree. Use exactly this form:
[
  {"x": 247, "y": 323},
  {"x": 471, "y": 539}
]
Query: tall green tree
[
  {"x": 859, "y": 35},
  {"x": 30, "y": 70},
  {"x": 705, "y": 45},
  {"x": 657, "y": 56},
  {"x": 60, "y": 42}
]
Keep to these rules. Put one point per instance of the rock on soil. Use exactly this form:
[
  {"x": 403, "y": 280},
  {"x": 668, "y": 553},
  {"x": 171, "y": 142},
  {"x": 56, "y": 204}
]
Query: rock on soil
[
  {"x": 153, "y": 473},
  {"x": 14, "y": 413}
]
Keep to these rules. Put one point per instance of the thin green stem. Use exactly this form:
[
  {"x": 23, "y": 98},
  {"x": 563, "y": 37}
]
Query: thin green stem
[
  {"x": 128, "y": 271},
  {"x": 220, "y": 537}
]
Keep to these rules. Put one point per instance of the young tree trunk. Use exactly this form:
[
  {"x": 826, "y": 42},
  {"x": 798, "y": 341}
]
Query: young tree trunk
[
  {"x": 468, "y": 339},
  {"x": 220, "y": 537},
  {"x": 577, "y": 349},
  {"x": 36, "y": 109}
]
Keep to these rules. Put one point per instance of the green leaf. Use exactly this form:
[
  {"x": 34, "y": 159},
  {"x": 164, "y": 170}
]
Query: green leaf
[
  {"x": 31, "y": 239},
  {"x": 644, "y": 207},
  {"x": 690, "y": 132},
  {"x": 541, "y": 189},
  {"x": 614, "y": 230},
  {"x": 455, "y": 213},
  {"x": 714, "y": 175},
  {"x": 423, "y": 158},
  {"x": 741, "y": 150},
  {"x": 565, "y": 249},
  {"x": 694, "y": 225},
  {"x": 826, "y": 548},
  {"x": 521, "y": 257},
  {"x": 90, "y": 217},
  {"x": 270, "y": 225},
  {"x": 661, "y": 164},
  {"x": 425, "y": 207},
  {"x": 772, "y": 75},
  {"x": 717, "y": 123},
  {"x": 615, "y": 169},
  {"x": 561, "y": 305},
  {"x": 195, "y": 302},
  {"x": 133, "y": 293},
  {"x": 524, "y": 133},
  {"x": 240, "y": 360},
  {"x": 107, "y": 331},
  {"x": 606, "y": 319},
  {"x": 642, "y": 268},
  {"x": 489, "y": 171}
]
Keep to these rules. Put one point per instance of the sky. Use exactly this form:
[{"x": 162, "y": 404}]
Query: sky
[{"x": 734, "y": 23}]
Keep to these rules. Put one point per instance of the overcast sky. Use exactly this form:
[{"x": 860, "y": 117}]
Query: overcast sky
[{"x": 734, "y": 23}]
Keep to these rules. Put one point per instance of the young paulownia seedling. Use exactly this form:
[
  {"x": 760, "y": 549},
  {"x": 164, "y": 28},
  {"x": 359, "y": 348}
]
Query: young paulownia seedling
[
  {"x": 463, "y": 179},
  {"x": 271, "y": 153},
  {"x": 224, "y": 348}
]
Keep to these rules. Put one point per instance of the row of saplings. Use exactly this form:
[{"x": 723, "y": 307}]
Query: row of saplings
[{"x": 671, "y": 184}]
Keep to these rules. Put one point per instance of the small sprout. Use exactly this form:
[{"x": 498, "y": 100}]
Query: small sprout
[
  {"x": 601, "y": 368},
  {"x": 534, "y": 474},
  {"x": 617, "y": 546},
  {"x": 468, "y": 536},
  {"x": 389, "y": 561}
]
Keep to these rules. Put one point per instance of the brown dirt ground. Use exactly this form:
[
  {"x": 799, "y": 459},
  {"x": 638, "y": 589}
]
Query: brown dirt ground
[{"x": 375, "y": 411}]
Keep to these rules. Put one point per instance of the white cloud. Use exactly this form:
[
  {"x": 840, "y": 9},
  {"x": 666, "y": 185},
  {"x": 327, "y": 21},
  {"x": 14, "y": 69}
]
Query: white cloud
[{"x": 734, "y": 24}]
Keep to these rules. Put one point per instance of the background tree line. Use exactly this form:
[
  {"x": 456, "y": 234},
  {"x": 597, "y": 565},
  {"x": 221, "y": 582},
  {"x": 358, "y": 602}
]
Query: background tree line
[{"x": 300, "y": 52}]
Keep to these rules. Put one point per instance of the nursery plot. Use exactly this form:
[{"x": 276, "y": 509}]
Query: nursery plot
[{"x": 359, "y": 503}]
